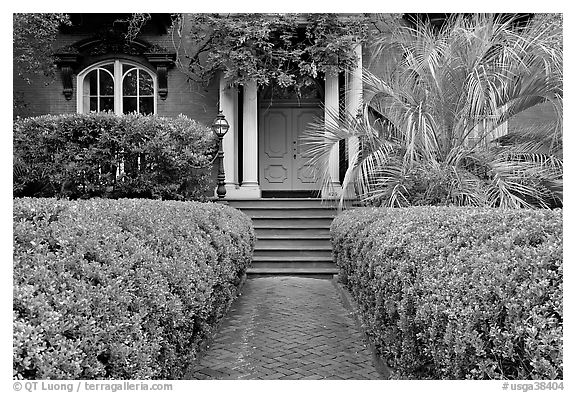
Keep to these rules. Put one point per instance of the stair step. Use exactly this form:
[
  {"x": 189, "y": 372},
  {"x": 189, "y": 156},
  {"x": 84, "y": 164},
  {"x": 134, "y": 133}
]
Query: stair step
[
  {"x": 278, "y": 252},
  {"x": 288, "y": 258},
  {"x": 297, "y": 234},
  {"x": 293, "y": 222},
  {"x": 292, "y": 271},
  {"x": 288, "y": 212},
  {"x": 282, "y": 202},
  {"x": 291, "y": 243},
  {"x": 297, "y": 217},
  {"x": 293, "y": 233},
  {"x": 277, "y": 245},
  {"x": 290, "y": 207},
  {"x": 293, "y": 264},
  {"x": 285, "y": 225}
]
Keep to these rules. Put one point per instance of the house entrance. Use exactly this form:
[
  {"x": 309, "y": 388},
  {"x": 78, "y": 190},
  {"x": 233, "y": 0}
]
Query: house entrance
[
  {"x": 284, "y": 165},
  {"x": 284, "y": 114}
]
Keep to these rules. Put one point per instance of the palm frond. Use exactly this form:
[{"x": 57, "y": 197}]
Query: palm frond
[{"x": 433, "y": 110}]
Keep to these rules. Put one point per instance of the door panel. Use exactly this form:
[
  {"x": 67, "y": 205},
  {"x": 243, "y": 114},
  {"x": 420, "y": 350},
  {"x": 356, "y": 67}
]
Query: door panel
[
  {"x": 283, "y": 164},
  {"x": 277, "y": 174},
  {"x": 275, "y": 150},
  {"x": 277, "y": 139},
  {"x": 306, "y": 175}
]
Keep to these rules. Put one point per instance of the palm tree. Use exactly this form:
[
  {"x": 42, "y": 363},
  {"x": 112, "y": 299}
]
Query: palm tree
[{"x": 433, "y": 127}]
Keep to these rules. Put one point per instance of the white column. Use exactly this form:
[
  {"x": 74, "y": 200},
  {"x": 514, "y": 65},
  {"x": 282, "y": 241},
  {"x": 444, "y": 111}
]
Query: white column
[
  {"x": 250, "y": 187},
  {"x": 331, "y": 109},
  {"x": 229, "y": 107},
  {"x": 354, "y": 106}
]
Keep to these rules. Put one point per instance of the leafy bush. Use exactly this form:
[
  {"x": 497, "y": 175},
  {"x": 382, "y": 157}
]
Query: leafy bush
[
  {"x": 121, "y": 289},
  {"x": 104, "y": 155},
  {"x": 457, "y": 293}
]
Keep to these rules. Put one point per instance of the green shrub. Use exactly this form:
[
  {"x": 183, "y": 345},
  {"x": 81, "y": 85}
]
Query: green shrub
[
  {"x": 121, "y": 289},
  {"x": 83, "y": 155},
  {"x": 457, "y": 293}
]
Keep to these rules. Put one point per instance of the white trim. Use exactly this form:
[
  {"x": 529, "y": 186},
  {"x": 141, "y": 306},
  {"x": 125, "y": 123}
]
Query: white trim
[
  {"x": 331, "y": 109},
  {"x": 118, "y": 80},
  {"x": 117, "y": 87},
  {"x": 354, "y": 89},
  {"x": 250, "y": 186},
  {"x": 228, "y": 104},
  {"x": 138, "y": 95}
]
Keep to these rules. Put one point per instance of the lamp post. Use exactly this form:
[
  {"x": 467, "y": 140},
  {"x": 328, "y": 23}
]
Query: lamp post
[{"x": 220, "y": 127}]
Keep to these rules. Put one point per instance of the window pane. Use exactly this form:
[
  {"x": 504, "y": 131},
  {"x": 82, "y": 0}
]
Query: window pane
[
  {"x": 129, "y": 104},
  {"x": 107, "y": 104},
  {"x": 93, "y": 104},
  {"x": 92, "y": 78},
  {"x": 146, "y": 105},
  {"x": 130, "y": 83},
  {"x": 109, "y": 67},
  {"x": 146, "y": 84},
  {"x": 106, "y": 84},
  {"x": 100, "y": 87}
]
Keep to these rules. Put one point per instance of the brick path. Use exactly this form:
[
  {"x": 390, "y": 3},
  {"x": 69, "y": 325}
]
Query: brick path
[{"x": 287, "y": 328}]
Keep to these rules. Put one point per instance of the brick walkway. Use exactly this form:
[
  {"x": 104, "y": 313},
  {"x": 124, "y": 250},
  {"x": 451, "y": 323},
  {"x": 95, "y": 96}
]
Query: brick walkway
[{"x": 287, "y": 328}]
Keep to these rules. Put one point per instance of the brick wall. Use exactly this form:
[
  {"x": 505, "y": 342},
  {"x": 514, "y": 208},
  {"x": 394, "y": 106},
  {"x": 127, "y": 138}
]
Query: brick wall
[
  {"x": 191, "y": 99},
  {"x": 41, "y": 96}
]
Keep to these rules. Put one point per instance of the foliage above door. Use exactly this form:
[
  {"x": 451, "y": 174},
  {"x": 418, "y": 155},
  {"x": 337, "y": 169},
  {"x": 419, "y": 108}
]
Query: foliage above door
[{"x": 285, "y": 49}]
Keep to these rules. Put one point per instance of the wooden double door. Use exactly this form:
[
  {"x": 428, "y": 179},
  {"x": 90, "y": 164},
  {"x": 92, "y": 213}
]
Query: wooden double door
[{"x": 283, "y": 163}]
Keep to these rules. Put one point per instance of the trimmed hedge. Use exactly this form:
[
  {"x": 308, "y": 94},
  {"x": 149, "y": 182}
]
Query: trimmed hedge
[
  {"x": 121, "y": 289},
  {"x": 81, "y": 155},
  {"x": 457, "y": 293}
]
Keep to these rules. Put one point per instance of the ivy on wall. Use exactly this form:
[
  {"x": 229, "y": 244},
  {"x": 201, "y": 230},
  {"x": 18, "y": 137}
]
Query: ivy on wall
[{"x": 32, "y": 38}]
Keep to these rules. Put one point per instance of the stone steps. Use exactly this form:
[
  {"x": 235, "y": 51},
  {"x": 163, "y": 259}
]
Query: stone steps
[{"x": 293, "y": 235}]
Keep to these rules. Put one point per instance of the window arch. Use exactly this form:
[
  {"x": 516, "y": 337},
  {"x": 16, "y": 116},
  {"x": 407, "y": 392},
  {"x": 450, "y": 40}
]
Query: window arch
[{"x": 118, "y": 86}]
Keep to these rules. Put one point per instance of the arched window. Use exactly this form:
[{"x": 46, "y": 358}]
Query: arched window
[{"x": 118, "y": 86}]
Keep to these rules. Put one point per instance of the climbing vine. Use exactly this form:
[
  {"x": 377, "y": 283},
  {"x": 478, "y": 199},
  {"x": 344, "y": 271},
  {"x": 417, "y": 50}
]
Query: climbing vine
[{"x": 287, "y": 49}]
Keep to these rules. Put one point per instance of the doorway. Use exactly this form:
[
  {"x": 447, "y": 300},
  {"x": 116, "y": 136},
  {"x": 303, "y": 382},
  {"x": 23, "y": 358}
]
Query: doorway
[{"x": 284, "y": 165}]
